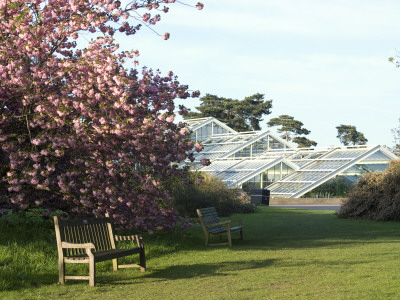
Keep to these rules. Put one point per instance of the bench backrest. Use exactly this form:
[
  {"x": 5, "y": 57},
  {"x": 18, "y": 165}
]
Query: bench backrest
[
  {"x": 92, "y": 230},
  {"x": 209, "y": 216}
]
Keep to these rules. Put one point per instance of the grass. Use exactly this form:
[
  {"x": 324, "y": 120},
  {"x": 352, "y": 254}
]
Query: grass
[{"x": 286, "y": 254}]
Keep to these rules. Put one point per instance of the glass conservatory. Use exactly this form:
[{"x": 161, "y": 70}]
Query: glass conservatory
[{"x": 262, "y": 159}]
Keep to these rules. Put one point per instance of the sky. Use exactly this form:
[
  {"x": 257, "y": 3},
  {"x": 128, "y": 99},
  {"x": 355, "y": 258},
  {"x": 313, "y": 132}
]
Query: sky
[{"x": 323, "y": 62}]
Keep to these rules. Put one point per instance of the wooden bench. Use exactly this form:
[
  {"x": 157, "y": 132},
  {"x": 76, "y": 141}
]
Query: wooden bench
[
  {"x": 213, "y": 226},
  {"x": 90, "y": 241}
]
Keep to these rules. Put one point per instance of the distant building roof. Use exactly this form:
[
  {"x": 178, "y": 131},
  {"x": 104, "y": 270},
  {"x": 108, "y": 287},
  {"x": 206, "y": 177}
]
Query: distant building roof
[{"x": 263, "y": 159}]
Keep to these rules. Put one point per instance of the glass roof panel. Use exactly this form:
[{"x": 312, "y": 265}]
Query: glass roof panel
[
  {"x": 251, "y": 164},
  {"x": 314, "y": 155},
  {"x": 217, "y": 175},
  {"x": 352, "y": 170},
  {"x": 274, "y": 144},
  {"x": 234, "y": 176},
  {"x": 289, "y": 187},
  {"x": 220, "y": 165},
  {"x": 210, "y": 156},
  {"x": 305, "y": 176},
  {"x": 375, "y": 167},
  {"x": 346, "y": 153},
  {"x": 237, "y": 138},
  {"x": 377, "y": 156},
  {"x": 300, "y": 163},
  {"x": 259, "y": 146},
  {"x": 325, "y": 165},
  {"x": 243, "y": 137},
  {"x": 219, "y": 148},
  {"x": 194, "y": 122}
]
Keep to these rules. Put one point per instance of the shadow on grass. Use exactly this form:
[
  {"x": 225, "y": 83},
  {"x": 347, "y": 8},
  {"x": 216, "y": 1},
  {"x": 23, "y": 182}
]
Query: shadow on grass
[
  {"x": 129, "y": 277},
  {"x": 284, "y": 228},
  {"x": 208, "y": 270},
  {"x": 226, "y": 268}
]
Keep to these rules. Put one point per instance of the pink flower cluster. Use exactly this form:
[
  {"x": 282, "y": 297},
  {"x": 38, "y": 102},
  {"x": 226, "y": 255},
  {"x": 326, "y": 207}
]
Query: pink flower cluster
[{"x": 78, "y": 131}]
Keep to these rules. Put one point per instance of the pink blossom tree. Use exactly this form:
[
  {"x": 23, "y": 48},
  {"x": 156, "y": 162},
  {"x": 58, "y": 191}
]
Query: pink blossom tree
[{"x": 79, "y": 131}]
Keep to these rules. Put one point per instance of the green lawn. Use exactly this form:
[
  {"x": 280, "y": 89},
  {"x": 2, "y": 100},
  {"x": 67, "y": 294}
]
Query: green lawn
[{"x": 286, "y": 254}]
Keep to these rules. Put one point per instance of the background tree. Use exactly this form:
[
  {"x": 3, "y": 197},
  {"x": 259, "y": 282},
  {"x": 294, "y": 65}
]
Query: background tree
[
  {"x": 396, "y": 135},
  {"x": 241, "y": 115},
  {"x": 394, "y": 61},
  {"x": 396, "y": 131},
  {"x": 292, "y": 130},
  {"x": 348, "y": 134},
  {"x": 79, "y": 131},
  {"x": 303, "y": 142}
]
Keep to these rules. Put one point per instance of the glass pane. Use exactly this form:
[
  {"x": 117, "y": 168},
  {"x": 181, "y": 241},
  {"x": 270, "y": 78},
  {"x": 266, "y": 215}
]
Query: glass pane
[
  {"x": 260, "y": 146},
  {"x": 253, "y": 183},
  {"x": 377, "y": 156},
  {"x": 245, "y": 152},
  {"x": 324, "y": 165},
  {"x": 274, "y": 144}
]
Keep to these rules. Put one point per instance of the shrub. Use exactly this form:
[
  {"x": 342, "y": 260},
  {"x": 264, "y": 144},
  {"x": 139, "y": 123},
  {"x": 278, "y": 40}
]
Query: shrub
[
  {"x": 376, "y": 196},
  {"x": 205, "y": 191},
  {"x": 33, "y": 217}
]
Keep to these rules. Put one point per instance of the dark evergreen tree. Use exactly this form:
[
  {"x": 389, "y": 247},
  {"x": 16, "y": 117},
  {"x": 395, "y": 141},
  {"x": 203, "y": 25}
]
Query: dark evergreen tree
[
  {"x": 292, "y": 130},
  {"x": 304, "y": 142},
  {"x": 241, "y": 115},
  {"x": 348, "y": 134}
]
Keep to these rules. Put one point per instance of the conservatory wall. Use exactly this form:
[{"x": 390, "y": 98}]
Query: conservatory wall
[
  {"x": 269, "y": 176},
  {"x": 208, "y": 130}
]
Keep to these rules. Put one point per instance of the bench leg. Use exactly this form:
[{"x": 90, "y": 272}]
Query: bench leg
[
  {"x": 115, "y": 264},
  {"x": 61, "y": 272},
  {"x": 229, "y": 238},
  {"x": 142, "y": 261},
  {"x": 207, "y": 236},
  {"x": 92, "y": 272}
]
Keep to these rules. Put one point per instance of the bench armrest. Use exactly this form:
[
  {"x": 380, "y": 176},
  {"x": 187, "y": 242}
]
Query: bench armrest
[
  {"x": 219, "y": 223},
  {"x": 138, "y": 238},
  {"x": 127, "y": 237},
  {"x": 77, "y": 246},
  {"x": 87, "y": 246}
]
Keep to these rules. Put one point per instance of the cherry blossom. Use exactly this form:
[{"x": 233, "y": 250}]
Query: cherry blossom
[{"x": 79, "y": 131}]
